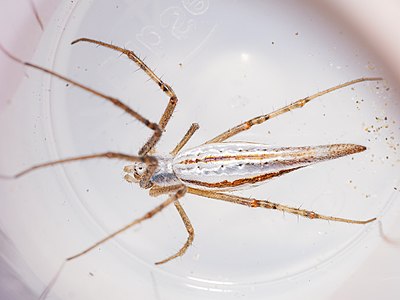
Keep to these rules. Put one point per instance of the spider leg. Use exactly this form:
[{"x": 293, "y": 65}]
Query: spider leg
[
  {"x": 166, "y": 116},
  {"x": 190, "y": 231},
  {"x": 145, "y": 217},
  {"x": 297, "y": 104},
  {"x": 193, "y": 128},
  {"x": 150, "y": 161},
  {"x": 158, "y": 190},
  {"x": 158, "y": 129},
  {"x": 172, "y": 198},
  {"x": 36, "y": 14},
  {"x": 251, "y": 202}
]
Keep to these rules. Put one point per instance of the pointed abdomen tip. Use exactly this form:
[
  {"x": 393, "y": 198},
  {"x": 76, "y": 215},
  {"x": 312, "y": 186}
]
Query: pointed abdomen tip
[
  {"x": 339, "y": 150},
  {"x": 347, "y": 149},
  {"x": 359, "y": 148}
]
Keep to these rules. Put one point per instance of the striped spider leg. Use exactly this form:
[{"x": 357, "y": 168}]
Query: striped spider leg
[
  {"x": 182, "y": 171},
  {"x": 292, "y": 106}
]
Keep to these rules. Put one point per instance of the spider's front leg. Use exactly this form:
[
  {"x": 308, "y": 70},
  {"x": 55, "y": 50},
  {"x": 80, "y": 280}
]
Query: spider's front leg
[
  {"x": 173, "y": 99},
  {"x": 157, "y": 129}
]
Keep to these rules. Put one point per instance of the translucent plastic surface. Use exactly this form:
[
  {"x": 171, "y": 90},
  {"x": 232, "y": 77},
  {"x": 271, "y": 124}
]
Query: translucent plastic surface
[{"x": 228, "y": 61}]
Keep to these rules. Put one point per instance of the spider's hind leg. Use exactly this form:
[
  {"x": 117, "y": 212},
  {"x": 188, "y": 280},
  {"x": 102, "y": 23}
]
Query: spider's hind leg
[
  {"x": 297, "y": 104},
  {"x": 255, "y": 203}
]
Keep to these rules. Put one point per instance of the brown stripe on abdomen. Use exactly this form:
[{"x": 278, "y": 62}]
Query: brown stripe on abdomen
[
  {"x": 306, "y": 151},
  {"x": 238, "y": 182}
]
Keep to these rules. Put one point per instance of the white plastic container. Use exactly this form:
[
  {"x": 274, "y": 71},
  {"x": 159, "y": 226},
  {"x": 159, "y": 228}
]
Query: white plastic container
[{"x": 227, "y": 61}]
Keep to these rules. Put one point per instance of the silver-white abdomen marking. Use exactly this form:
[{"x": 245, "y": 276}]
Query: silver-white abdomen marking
[{"x": 238, "y": 165}]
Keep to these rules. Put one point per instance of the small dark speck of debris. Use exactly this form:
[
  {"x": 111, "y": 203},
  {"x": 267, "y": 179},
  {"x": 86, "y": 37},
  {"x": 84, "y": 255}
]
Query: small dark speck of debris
[
  {"x": 395, "y": 188},
  {"x": 273, "y": 43},
  {"x": 181, "y": 65},
  {"x": 87, "y": 190},
  {"x": 296, "y": 33},
  {"x": 91, "y": 274},
  {"x": 67, "y": 84}
]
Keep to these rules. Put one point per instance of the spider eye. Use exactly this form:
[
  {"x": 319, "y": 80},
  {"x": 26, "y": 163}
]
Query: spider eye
[{"x": 139, "y": 168}]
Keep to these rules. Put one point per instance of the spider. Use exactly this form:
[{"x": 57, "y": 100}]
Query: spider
[{"x": 213, "y": 169}]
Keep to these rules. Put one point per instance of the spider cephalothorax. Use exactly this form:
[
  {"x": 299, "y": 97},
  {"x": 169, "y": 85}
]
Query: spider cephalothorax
[{"x": 163, "y": 175}]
